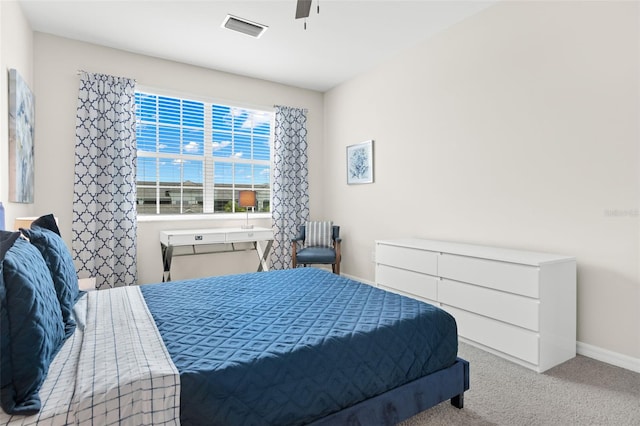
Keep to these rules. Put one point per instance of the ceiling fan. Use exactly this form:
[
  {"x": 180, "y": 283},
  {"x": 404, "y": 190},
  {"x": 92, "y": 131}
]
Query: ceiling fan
[{"x": 303, "y": 7}]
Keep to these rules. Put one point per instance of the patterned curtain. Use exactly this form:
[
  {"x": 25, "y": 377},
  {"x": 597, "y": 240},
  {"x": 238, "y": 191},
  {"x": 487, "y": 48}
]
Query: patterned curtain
[
  {"x": 290, "y": 185},
  {"x": 104, "y": 200}
]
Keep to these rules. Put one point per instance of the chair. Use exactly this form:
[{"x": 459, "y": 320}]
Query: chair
[{"x": 317, "y": 249}]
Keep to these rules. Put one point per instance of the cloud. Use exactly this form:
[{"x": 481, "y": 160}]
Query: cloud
[
  {"x": 191, "y": 147},
  {"x": 256, "y": 119},
  {"x": 237, "y": 154},
  {"x": 220, "y": 145}
]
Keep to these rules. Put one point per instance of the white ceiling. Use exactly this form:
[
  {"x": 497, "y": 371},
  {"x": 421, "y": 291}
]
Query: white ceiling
[{"x": 346, "y": 38}]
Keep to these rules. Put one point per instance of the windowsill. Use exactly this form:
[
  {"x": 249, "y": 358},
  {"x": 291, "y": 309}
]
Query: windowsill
[{"x": 200, "y": 217}]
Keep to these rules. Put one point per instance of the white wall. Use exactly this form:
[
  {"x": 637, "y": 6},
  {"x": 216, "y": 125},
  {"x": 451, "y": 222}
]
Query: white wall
[
  {"x": 518, "y": 127},
  {"x": 57, "y": 61},
  {"x": 16, "y": 51}
]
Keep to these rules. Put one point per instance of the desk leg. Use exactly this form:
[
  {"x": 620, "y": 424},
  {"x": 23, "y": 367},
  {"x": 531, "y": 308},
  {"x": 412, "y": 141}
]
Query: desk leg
[
  {"x": 263, "y": 255},
  {"x": 167, "y": 254}
]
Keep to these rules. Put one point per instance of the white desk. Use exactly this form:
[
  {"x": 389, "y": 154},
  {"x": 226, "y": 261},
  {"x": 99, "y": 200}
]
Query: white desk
[{"x": 229, "y": 236}]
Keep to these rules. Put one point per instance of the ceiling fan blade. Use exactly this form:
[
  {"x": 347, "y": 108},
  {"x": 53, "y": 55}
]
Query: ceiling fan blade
[{"x": 302, "y": 9}]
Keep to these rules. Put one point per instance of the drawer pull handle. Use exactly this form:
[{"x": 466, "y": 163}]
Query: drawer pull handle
[{"x": 198, "y": 237}]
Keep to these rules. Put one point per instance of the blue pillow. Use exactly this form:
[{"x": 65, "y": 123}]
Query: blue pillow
[
  {"x": 47, "y": 221},
  {"x": 59, "y": 261},
  {"x": 32, "y": 327},
  {"x": 6, "y": 242}
]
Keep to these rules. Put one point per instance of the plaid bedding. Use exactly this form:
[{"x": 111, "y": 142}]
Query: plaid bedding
[{"x": 116, "y": 337}]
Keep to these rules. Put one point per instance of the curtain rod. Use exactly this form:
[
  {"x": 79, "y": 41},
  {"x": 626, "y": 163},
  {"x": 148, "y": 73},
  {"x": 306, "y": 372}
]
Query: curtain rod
[
  {"x": 284, "y": 106},
  {"x": 81, "y": 71}
]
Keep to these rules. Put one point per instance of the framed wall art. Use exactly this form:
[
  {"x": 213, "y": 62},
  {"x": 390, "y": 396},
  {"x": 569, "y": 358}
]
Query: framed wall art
[
  {"x": 360, "y": 163},
  {"x": 21, "y": 134}
]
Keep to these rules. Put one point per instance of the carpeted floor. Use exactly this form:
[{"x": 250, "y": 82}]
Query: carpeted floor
[{"x": 581, "y": 391}]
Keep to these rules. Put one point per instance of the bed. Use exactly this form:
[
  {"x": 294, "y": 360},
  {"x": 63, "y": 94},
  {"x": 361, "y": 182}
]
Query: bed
[{"x": 300, "y": 346}]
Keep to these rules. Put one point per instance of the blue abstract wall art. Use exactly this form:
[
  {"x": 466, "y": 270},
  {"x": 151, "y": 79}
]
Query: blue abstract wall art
[{"x": 21, "y": 137}]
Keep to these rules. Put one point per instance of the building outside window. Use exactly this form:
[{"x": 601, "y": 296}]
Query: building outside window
[{"x": 194, "y": 156}]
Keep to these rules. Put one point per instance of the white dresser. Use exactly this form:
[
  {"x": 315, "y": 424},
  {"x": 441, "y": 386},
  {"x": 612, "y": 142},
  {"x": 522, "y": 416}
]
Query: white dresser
[{"x": 516, "y": 304}]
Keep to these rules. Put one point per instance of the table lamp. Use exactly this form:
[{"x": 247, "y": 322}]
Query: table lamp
[{"x": 247, "y": 199}]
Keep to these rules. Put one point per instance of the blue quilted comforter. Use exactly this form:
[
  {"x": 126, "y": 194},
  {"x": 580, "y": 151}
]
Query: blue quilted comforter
[{"x": 289, "y": 347}]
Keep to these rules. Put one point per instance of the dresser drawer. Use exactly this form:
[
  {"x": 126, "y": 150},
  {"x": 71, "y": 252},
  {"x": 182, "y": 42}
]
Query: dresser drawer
[
  {"x": 408, "y": 258},
  {"x": 507, "y": 307},
  {"x": 248, "y": 235},
  {"x": 413, "y": 283},
  {"x": 514, "y": 341},
  {"x": 188, "y": 239},
  {"x": 511, "y": 277}
]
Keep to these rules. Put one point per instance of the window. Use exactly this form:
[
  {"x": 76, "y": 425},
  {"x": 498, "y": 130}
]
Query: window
[{"x": 194, "y": 156}]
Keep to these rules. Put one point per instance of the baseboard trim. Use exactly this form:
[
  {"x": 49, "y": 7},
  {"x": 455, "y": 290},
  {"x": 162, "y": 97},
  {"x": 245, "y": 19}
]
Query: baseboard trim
[{"x": 610, "y": 357}]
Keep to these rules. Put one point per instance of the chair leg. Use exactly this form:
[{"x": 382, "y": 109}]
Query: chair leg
[{"x": 294, "y": 262}]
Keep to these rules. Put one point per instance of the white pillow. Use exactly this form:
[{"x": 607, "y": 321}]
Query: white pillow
[{"x": 318, "y": 234}]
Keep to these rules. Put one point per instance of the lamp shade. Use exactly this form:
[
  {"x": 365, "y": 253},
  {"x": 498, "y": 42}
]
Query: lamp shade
[{"x": 247, "y": 198}]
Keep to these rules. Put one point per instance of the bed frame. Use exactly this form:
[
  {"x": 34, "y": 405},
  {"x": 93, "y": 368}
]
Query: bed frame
[{"x": 399, "y": 404}]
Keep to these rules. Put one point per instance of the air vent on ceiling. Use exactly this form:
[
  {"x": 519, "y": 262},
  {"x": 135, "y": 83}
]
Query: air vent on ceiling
[{"x": 244, "y": 26}]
